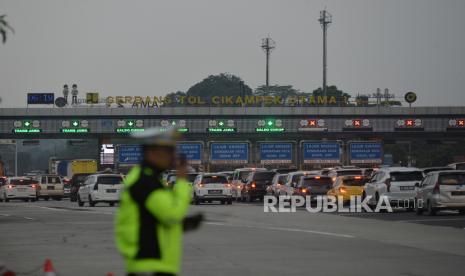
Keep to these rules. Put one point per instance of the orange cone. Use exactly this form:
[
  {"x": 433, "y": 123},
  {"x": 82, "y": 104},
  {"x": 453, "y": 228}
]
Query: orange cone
[{"x": 48, "y": 268}]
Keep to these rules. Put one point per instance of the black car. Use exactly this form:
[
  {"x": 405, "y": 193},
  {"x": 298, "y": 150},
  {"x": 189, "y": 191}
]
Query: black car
[
  {"x": 256, "y": 184},
  {"x": 76, "y": 182}
]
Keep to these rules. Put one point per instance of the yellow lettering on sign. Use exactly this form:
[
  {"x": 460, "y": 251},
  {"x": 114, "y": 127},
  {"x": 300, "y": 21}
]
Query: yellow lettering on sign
[
  {"x": 322, "y": 99},
  {"x": 215, "y": 100},
  {"x": 332, "y": 100}
]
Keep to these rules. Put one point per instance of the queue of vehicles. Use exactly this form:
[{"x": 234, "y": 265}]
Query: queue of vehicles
[{"x": 423, "y": 190}]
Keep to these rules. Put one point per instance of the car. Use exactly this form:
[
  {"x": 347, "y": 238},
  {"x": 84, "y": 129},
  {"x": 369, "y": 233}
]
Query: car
[
  {"x": 23, "y": 188},
  {"x": 347, "y": 170},
  {"x": 278, "y": 180},
  {"x": 433, "y": 169},
  {"x": 240, "y": 178},
  {"x": 50, "y": 186},
  {"x": 397, "y": 184},
  {"x": 292, "y": 180},
  {"x": 347, "y": 186},
  {"x": 99, "y": 188},
  {"x": 76, "y": 182},
  {"x": 229, "y": 174},
  {"x": 171, "y": 178},
  {"x": 313, "y": 186},
  {"x": 441, "y": 190},
  {"x": 210, "y": 187},
  {"x": 457, "y": 166},
  {"x": 256, "y": 185},
  {"x": 285, "y": 170}
]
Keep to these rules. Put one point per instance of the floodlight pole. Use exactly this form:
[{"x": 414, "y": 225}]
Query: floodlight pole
[{"x": 325, "y": 20}]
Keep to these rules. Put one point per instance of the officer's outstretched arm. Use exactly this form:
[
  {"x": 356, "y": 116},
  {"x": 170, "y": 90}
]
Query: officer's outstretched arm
[{"x": 170, "y": 206}]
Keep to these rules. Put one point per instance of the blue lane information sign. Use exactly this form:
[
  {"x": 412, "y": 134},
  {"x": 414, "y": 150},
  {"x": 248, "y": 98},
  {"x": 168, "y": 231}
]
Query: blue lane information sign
[
  {"x": 192, "y": 151},
  {"x": 224, "y": 153},
  {"x": 129, "y": 154},
  {"x": 40, "y": 98},
  {"x": 365, "y": 152},
  {"x": 275, "y": 153},
  {"x": 321, "y": 152}
]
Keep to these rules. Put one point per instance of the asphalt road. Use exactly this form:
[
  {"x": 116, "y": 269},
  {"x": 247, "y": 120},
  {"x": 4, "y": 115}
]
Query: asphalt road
[{"x": 240, "y": 240}]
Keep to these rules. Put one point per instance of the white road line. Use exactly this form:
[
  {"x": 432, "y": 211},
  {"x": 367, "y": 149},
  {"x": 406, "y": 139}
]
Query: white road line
[
  {"x": 431, "y": 220},
  {"x": 5, "y": 215},
  {"x": 76, "y": 210},
  {"x": 28, "y": 218},
  {"x": 285, "y": 229}
]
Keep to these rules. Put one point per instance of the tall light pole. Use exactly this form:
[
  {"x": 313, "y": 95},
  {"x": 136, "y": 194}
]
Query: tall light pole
[
  {"x": 268, "y": 45},
  {"x": 325, "y": 20}
]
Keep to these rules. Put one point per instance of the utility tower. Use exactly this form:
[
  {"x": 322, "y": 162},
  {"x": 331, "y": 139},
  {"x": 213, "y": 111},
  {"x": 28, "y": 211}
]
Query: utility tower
[
  {"x": 268, "y": 45},
  {"x": 325, "y": 20}
]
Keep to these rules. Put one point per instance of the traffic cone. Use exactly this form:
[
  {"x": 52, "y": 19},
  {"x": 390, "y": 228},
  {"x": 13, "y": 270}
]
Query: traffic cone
[{"x": 48, "y": 268}]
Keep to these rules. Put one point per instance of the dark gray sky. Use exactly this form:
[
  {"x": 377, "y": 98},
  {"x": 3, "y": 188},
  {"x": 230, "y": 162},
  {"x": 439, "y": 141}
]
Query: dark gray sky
[{"x": 154, "y": 47}]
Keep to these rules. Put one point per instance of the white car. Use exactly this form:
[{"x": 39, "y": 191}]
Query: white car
[
  {"x": 19, "y": 188},
  {"x": 441, "y": 190},
  {"x": 239, "y": 178},
  {"x": 100, "y": 188},
  {"x": 50, "y": 186},
  {"x": 291, "y": 182},
  {"x": 397, "y": 184},
  {"x": 211, "y": 187}
]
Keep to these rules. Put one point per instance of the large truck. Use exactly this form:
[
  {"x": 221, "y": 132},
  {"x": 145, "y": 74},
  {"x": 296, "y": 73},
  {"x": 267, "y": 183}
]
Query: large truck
[{"x": 68, "y": 168}]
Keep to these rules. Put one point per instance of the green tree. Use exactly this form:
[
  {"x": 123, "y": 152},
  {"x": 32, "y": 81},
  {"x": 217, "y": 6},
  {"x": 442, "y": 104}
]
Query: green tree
[
  {"x": 283, "y": 91},
  {"x": 175, "y": 98},
  {"x": 220, "y": 85},
  {"x": 4, "y": 28},
  {"x": 333, "y": 91}
]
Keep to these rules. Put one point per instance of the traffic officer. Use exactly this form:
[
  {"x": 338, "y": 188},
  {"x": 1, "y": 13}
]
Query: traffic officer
[{"x": 150, "y": 219}]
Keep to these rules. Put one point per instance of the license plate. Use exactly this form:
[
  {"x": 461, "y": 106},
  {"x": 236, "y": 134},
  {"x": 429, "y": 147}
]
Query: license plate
[
  {"x": 21, "y": 189},
  {"x": 50, "y": 187},
  {"x": 407, "y": 188},
  {"x": 215, "y": 192},
  {"x": 111, "y": 190},
  {"x": 458, "y": 193}
]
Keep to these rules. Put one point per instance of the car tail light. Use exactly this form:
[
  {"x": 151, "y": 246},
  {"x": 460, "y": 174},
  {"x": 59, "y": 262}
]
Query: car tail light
[
  {"x": 200, "y": 185},
  {"x": 253, "y": 185},
  {"x": 358, "y": 177},
  {"x": 436, "y": 189},
  {"x": 388, "y": 184},
  {"x": 343, "y": 190},
  {"x": 317, "y": 177},
  {"x": 304, "y": 191},
  {"x": 333, "y": 179},
  {"x": 34, "y": 186},
  {"x": 10, "y": 186},
  {"x": 228, "y": 185}
]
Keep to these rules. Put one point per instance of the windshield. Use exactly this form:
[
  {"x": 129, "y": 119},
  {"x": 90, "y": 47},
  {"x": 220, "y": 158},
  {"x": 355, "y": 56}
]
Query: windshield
[
  {"x": 264, "y": 176},
  {"x": 211, "y": 179},
  {"x": 191, "y": 177},
  {"x": 21, "y": 182},
  {"x": 282, "y": 178},
  {"x": 354, "y": 182},
  {"x": 296, "y": 177},
  {"x": 317, "y": 181},
  {"x": 244, "y": 174},
  {"x": 406, "y": 176},
  {"x": 452, "y": 179},
  {"x": 110, "y": 180},
  {"x": 54, "y": 180},
  {"x": 79, "y": 178},
  {"x": 349, "y": 172}
]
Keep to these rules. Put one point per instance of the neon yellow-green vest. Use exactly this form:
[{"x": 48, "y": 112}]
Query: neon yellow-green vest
[{"x": 149, "y": 222}]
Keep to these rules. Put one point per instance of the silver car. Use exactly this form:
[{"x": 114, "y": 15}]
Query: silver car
[{"x": 441, "y": 190}]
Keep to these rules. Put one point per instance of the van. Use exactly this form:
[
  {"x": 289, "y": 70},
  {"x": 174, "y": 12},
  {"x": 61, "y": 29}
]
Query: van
[{"x": 50, "y": 186}]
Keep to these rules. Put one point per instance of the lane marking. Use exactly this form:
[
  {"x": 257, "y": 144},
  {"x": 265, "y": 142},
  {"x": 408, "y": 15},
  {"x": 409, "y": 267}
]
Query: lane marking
[
  {"x": 431, "y": 220},
  {"x": 5, "y": 215},
  {"x": 76, "y": 210},
  {"x": 284, "y": 229},
  {"x": 28, "y": 218}
]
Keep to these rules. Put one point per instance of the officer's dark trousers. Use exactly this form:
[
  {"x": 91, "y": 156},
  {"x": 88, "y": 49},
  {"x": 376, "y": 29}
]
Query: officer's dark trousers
[{"x": 154, "y": 274}]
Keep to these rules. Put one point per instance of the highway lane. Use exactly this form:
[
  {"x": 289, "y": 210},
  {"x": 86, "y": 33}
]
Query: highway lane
[{"x": 241, "y": 239}]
